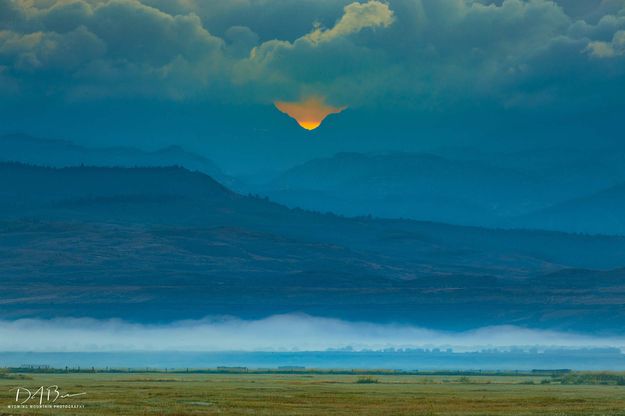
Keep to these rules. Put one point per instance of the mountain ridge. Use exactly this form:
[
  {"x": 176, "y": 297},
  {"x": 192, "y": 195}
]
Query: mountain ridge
[
  {"x": 599, "y": 213},
  {"x": 94, "y": 245},
  {"x": 23, "y": 148}
]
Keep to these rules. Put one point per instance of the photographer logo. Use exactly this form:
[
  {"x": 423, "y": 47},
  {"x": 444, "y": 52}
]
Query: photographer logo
[{"x": 45, "y": 397}]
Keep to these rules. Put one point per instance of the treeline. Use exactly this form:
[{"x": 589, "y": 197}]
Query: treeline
[
  {"x": 556, "y": 375},
  {"x": 613, "y": 379}
]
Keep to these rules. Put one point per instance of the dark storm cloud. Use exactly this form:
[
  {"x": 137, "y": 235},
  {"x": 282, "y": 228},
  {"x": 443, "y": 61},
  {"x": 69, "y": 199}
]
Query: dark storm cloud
[{"x": 430, "y": 54}]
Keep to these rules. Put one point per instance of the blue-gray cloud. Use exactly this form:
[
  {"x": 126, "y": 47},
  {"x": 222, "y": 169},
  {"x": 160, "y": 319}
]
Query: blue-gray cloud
[{"x": 416, "y": 53}]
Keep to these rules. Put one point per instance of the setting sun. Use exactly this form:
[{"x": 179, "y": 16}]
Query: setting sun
[{"x": 308, "y": 113}]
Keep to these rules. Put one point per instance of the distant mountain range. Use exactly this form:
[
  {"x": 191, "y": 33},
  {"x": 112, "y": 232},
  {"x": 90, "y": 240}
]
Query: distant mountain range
[
  {"x": 153, "y": 244},
  {"x": 509, "y": 191},
  {"x": 418, "y": 186},
  {"x": 552, "y": 189},
  {"x": 62, "y": 153},
  {"x": 602, "y": 212}
]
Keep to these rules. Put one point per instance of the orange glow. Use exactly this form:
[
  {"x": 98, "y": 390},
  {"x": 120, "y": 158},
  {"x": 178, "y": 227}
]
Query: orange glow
[{"x": 308, "y": 113}]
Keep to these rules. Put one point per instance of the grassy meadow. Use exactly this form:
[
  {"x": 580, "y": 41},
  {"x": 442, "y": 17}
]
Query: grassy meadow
[{"x": 319, "y": 394}]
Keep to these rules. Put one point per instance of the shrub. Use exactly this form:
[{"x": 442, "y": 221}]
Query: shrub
[{"x": 367, "y": 380}]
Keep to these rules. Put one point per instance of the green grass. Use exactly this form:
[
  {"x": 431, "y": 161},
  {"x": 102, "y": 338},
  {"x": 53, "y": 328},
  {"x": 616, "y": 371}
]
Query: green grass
[{"x": 317, "y": 394}]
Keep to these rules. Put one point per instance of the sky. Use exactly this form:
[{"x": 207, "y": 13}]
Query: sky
[{"x": 411, "y": 75}]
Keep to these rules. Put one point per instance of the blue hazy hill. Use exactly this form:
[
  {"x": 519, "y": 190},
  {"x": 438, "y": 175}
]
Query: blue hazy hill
[
  {"x": 600, "y": 213},
  {"x": 166, "y": 243},
  {"x": 468, "y": 188},
  {"x": 411, "y": 185},
  {"x": 554, "y": 188},
  {"x": 27, "y": 149}
]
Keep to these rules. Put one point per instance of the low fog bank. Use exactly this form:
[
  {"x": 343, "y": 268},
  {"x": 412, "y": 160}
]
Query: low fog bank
[{"x": 280, "y": 333}]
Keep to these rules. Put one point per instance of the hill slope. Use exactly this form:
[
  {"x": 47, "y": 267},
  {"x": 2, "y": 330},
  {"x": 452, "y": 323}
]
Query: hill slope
[
  {"x": 166, "y": 243},
  {"x": 23, "y": 148},
  {"x": 600, "y": 213},
  {"x": 409, "y": 185}
]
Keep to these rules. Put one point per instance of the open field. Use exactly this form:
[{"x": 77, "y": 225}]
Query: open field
[{"x": 314, "y": 394}]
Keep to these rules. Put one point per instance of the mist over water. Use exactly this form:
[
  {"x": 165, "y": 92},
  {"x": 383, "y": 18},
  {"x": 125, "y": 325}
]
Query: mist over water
[{"x": 278, "y": 333}]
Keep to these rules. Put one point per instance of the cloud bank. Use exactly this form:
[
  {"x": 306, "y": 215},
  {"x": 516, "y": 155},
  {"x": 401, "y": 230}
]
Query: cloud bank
[
  {"x": 275, "y": 333},
  {"x": 430, "y": 54}
]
